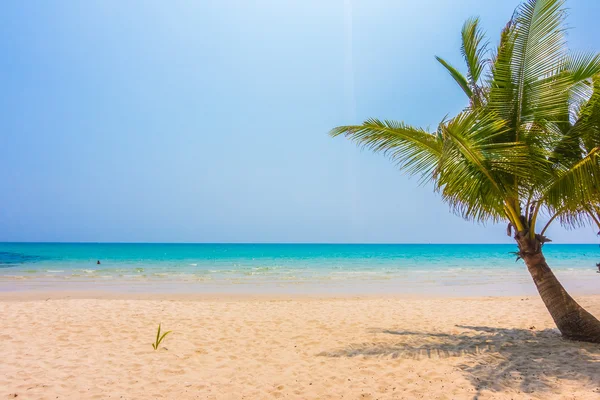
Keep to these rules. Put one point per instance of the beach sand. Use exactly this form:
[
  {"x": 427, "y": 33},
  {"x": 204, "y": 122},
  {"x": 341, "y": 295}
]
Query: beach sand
[{"x": 227, "y": 347}]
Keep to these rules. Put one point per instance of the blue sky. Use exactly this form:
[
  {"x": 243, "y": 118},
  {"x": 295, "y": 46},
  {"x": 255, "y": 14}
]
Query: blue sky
[{"x": 202, "y": 121}]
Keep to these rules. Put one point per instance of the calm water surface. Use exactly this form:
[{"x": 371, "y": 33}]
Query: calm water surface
[{"x": 289, "y": 268}]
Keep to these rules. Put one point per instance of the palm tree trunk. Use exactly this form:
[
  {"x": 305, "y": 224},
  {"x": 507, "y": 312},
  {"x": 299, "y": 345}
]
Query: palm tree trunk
[{"x": 573, "y": 321}]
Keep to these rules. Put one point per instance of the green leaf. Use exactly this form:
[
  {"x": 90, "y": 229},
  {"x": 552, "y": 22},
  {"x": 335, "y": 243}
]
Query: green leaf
[
  {"x": 539, "y": 50},
  {"x": 413, "y": 150},
  {"x": 588, "y": 124},
  {"x": 474, "y": 50},
  {"x": 458, "y": 77},
  {"x": 583, "y": 65},
  {"x": 576, "y": 186},
  {"x": 163, "y": 336},
  {"x": 477, "y": 166},
  {"x": 502, "y": 90}
]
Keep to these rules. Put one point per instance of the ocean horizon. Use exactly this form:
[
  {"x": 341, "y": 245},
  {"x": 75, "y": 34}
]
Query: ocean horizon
[{"x": 460, "y": 269}]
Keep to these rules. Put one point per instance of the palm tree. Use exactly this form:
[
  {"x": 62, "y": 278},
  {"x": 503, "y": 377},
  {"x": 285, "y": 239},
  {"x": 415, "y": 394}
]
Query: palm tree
[{"x": 528, "y": 144}]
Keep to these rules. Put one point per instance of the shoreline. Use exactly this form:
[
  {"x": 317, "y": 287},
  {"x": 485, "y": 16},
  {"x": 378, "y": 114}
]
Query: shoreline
[
  {"x": 226, "y": 296},
  {"x": 456, "y": 288}
]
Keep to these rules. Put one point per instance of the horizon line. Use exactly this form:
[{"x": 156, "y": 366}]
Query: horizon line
[{"x": 277, "y": 243}]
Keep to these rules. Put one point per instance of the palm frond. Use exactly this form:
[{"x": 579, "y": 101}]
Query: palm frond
[
  {"x": 588, "y": 124},
  {"x": 583, "y": 65},
  {"x": 573, "y": 219},
  {"x": 475, "y": 170},
  {"x": 502, "y": 91},
  {"x": 457, "y": 76},
  {"x": 539, "y": 50},
  {"x": 414, "y": 150},
  {"x": 584, "y": 134},
  {"x": 575, "y": 186},
  {"x": 474, "y": 49}
]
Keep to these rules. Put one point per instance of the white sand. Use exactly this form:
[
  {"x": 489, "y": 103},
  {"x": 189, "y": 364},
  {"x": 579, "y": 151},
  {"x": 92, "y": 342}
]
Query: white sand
[{"x": 299, "y": 348}]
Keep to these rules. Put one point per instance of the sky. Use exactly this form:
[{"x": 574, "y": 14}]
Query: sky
[{"x": 207, "y": 121}]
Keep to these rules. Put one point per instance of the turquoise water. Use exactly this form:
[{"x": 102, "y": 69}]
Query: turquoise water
[{"x": 356, "y": 268}]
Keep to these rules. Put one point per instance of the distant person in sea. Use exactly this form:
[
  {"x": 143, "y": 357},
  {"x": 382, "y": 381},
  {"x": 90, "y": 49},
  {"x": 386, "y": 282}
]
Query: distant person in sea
[
  {"x": 598, "y": 265},
  {"x": 98, "y": 262}
]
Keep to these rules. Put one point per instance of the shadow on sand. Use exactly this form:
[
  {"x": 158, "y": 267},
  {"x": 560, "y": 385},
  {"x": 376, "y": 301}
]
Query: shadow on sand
[{"x": 493, "y": 358}]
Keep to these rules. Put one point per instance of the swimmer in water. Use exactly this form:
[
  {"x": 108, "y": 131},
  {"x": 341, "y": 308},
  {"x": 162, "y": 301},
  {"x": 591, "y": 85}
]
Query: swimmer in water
[{"x": 98, "y": 262}]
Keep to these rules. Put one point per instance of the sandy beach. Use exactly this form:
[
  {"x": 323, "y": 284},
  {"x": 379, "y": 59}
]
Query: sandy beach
[
  {"x": 77, "y": 346},
  {"x": 314, "y": 199}
]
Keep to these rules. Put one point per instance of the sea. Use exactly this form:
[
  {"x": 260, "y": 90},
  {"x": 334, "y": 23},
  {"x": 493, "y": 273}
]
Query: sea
[{"x": 394, "y": 269}]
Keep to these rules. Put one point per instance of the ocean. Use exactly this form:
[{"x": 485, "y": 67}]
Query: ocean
[{"x": 445, "y": 269}]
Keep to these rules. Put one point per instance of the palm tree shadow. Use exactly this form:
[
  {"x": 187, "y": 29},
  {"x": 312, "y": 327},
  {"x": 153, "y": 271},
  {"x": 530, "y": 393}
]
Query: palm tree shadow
[{"x": 495, "y": 359}]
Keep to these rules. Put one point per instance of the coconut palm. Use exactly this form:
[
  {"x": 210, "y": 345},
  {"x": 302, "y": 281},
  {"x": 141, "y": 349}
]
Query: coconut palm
[{"x": 527, "y": 145}]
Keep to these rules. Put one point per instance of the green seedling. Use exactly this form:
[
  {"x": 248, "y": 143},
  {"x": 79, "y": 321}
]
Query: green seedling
[{"x": 159, "y": 338}]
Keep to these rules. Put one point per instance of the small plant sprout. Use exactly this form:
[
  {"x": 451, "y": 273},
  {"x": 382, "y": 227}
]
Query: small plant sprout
[{"x": 159, "y": 338}]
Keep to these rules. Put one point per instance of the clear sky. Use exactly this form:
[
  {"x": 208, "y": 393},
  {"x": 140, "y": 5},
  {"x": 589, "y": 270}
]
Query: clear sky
[{"x": 207, "y": 121}]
